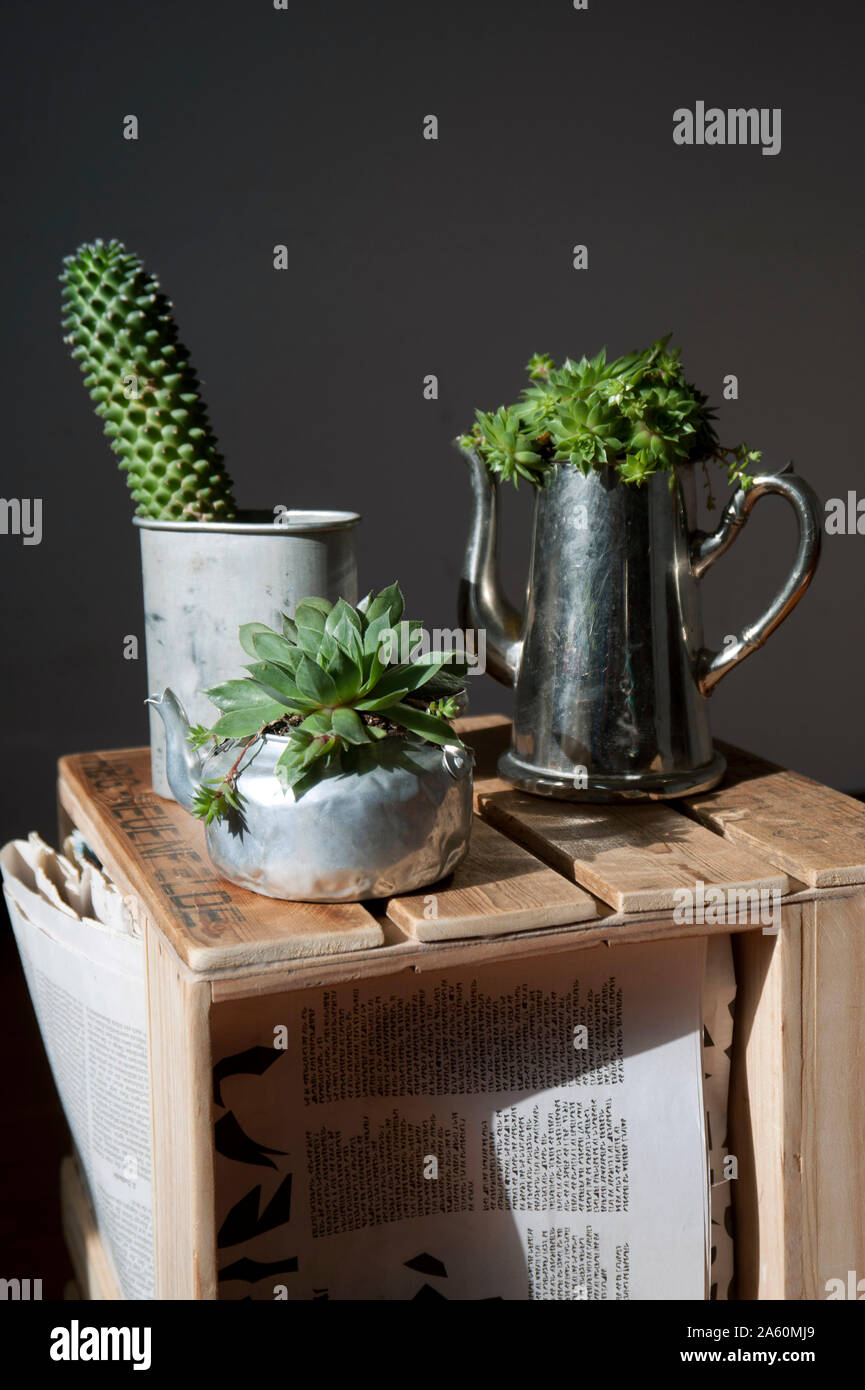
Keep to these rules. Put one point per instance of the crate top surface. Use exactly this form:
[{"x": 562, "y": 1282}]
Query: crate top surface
[{"x": 539, "y": 871}]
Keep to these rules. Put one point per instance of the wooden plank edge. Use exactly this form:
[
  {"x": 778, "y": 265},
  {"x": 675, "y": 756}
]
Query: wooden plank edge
[
  {"x": 730, "y": 830},
  {"x": 839, "y": 876},
  {"x": 427, "y": 957},
  {"x": 204, "y": 959},
  {"x": 764, "y": 1115},
  {"x": 558, "y": 903},
  {"x": 614, "y": 929},
  {"x": 505, "y": 923},
  {"x": 637, "y": 900},
  {"x": 666, "y": 900},
  {"x": 200, "y": 959},
  {"x": 181, "y": 1081}
]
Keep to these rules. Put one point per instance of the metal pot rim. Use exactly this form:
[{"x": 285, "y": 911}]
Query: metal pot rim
[{"x": 261, "y": 523}]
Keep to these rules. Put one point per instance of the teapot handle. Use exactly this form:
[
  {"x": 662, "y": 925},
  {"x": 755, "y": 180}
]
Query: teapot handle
[{"x": 706, "y": 549}]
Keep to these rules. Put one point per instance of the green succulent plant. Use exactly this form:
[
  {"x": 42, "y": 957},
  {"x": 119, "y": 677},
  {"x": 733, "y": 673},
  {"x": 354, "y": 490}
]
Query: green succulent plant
[
  {"x": 329, "y": 673},
  {"x": 636, "y": 414},
  {"x": 119, "y": 326}
]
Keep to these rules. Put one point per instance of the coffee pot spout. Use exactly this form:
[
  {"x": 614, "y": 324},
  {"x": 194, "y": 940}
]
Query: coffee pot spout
[{"x": 482, "y": 602}]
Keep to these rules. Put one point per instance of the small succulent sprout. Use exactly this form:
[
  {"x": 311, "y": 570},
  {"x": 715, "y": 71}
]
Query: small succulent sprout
[
  {"x": 447, "y": 708},
  {"x": 215, "y": 799},
  {"x": 508, "y": 448},
  {"x": 636, "y": 414},
  {"x": 120, "y": 329},
  {"x": 197, "y": 736},
  {"x": 331, "y": 673},
  {"x": 539, "y": 366}
]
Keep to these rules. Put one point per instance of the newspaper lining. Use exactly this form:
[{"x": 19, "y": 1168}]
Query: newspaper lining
[
  {"x": 463, "y": 1137},
  {"x": 87, "y": 983},
  {"x": 561, "y": 1171}
]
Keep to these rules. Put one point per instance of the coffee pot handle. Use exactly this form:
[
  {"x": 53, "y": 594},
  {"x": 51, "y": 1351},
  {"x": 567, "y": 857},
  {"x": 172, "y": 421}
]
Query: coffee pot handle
[{"x": 707, "y": 548}]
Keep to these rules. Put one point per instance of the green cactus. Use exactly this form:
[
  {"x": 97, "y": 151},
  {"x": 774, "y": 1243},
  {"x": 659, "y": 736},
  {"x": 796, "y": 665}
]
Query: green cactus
[{"x": 119, "y": 325}]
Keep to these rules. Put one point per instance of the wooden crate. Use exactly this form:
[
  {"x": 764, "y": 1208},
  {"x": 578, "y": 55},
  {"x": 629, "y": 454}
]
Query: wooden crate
[{"x": 543, "y": 877}]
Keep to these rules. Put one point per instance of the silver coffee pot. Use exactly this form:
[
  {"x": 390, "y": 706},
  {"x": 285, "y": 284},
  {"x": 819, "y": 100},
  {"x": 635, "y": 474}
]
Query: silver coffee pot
[{"x": 608, "y": 664}]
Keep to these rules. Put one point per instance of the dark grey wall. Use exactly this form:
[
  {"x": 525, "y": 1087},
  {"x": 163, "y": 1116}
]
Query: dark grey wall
[{"x": 408, "y": 257}]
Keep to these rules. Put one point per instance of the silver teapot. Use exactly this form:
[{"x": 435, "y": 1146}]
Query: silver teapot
[
  {"x": 608, "y": 664},
  {"x": 401, "y": 820}
]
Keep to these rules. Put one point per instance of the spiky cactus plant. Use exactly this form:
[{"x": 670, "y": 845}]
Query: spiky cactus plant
[{"x": 119, "y": 325}]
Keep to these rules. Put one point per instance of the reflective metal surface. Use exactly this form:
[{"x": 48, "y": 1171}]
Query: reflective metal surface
[
  {"x": 706, "y": 549},
  {"x": 400, "y": 823},
  {"x": 608, "y": 662},
  {"x": 203, "y": 579}
]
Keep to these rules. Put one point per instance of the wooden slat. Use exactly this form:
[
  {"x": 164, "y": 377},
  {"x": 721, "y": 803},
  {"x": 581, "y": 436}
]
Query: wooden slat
[
  {"x": 178, "y": 1033},
  {"x": 633, "y": 857},
  {"x": 765, "y": 1112},
  {"x": 498, "y": 888},
  {"x": 425, "y": 957},
  {"x": 797, "y": 1123},
  {"x": 833, "y": 1087},
  {"x": 814, "y": 833},
  {"x": 155, "y": 852}
]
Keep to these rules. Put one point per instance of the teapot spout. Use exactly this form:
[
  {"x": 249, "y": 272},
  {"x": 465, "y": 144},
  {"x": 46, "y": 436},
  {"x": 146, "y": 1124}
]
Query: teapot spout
[
  {"x": 482, "y": 603},
  {"x": 182, "y": 764}
]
